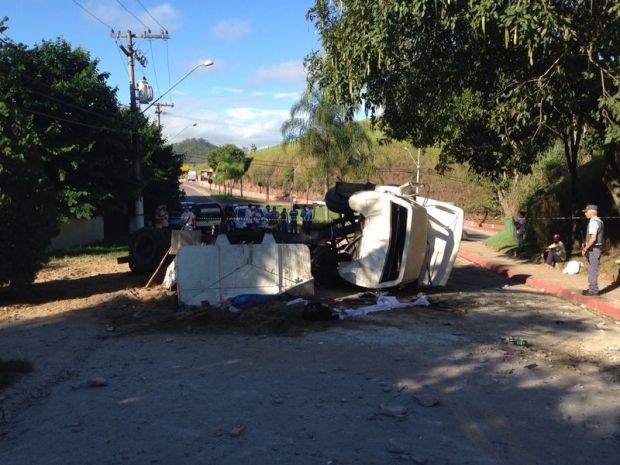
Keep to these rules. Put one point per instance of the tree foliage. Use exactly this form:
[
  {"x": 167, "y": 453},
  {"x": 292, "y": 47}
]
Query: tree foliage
[
  {"x": 491, "y": 82},
  {"x": 27, "y": 202},
  {"x": 65, "y": 150},
  {"x": 229, "y": 162},
  {"x": 326, "y": 132}
]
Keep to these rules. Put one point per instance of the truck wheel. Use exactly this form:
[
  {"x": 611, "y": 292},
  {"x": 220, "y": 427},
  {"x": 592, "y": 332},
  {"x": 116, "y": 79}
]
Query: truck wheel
[{"x": 147, "y": 246}]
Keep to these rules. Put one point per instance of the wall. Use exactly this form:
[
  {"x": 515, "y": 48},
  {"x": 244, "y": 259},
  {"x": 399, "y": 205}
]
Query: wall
[{"x": 78, "y": 232}]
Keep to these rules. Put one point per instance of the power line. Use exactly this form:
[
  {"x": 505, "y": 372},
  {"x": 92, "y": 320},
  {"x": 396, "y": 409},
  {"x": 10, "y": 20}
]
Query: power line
[
  {"x": 65, "y": 120},
  {"x": 93, "y": 15},
  {"x": 154, "y": 67},
  {"x": 123, "y": 60},
  {"x": 168, "y": 65},
  {"x": 137, "y": 19},
  {"x": 152, "y": 17}
]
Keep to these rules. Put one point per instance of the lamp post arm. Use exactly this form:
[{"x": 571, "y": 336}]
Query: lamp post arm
[{"x": 209, "y": 63}]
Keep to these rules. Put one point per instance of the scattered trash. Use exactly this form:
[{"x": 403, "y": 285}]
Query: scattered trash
[
  {"x": 572, "y": 267},
  {"x": 421, "y": 301},
  {"x": 393, "y": 447},
  {"x": 316, "y": 311},
  {"x": 521, "y": 342},
  {"x": 170, "y": 278},
  {"x": 236, "y": 431},
  {"x": 531, "y": 365},
  {"x": 591, "y": 425},
  {"x": 396, "y": 411},
  {"x": 384, "y": 302},
  {"x": 425, "y": 398},
  {"x": 98, "y": 381},
  {"x": 299, "y": 300},
  {"x": 251, "y": 300}
]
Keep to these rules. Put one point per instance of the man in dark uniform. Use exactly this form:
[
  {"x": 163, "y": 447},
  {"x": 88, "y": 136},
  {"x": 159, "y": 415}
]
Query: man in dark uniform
[{"x": 593, "y": 248}]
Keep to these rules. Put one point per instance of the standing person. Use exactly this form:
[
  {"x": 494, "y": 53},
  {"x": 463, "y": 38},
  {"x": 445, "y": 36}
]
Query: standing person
[
  {"x": 520, "y": 227},
  {"x": 593, "y": 247},
  {"x": 293, "y": 219},
  {"x": 188, "y": 219},
  {"x": 555, "y": 252},
  {"x": 161, "y": 216},
  {"x": 274, "y": 217},
  {"x": 307, "y": 220},
  {"x": 284, "y": 221}
]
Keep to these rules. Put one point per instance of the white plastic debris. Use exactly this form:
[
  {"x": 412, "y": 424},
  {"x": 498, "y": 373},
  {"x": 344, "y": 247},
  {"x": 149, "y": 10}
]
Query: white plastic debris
[
  {"x": 384, "y": 302},
  {"x": 572, "y": 267},
  {"x": 170, "y": 279},
  {"x": 299, "y": 300}
]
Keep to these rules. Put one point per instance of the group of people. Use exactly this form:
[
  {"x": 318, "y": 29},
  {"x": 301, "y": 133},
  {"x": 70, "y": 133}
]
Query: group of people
[
  {"x": 287, "y": 221},
  {"x": 282, "y": 220},
  {"x": 555, "y": 252}
]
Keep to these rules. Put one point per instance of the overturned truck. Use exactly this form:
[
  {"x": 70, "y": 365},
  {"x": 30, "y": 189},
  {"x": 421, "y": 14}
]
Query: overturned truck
[{"x": 386, "y": 236}]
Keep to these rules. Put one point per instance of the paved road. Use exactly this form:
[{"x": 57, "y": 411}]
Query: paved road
[{"x": 192, "y": 391}]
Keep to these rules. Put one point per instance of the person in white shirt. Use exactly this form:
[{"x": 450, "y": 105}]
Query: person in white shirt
[
  {"x": 593, "y": 248},
  {"x": 188, "y": 219}
]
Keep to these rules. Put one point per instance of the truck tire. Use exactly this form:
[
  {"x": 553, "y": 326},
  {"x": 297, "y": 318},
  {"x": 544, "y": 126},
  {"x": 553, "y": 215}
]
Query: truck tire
[{"x": 147, "y": 247}]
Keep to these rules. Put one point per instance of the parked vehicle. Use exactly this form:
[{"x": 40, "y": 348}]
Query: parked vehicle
[
  {"x": 208, "y": 215},
  {"x": 191, "y": 176}
]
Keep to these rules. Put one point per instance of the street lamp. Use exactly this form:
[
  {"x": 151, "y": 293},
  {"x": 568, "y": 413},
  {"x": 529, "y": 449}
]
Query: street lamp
[
  {"x": 417, "y": 164},
  {"x": 186, "y": 127},
  {"x": 204, "y": 63},
  {"x": 135, "y": 136}
]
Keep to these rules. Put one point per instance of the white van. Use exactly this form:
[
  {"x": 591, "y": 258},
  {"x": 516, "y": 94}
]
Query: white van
[{"x": 191, "y": 176}]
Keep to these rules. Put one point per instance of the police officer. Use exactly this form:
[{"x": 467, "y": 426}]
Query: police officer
[{"x": 593, "y": 248}]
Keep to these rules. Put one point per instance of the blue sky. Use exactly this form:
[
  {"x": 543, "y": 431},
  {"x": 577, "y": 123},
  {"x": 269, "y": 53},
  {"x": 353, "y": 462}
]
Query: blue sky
[{"x": 257, "y": 47}]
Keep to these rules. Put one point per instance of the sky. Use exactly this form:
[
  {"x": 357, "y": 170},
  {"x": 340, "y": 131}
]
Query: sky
[{"x": 257, "y": 48}]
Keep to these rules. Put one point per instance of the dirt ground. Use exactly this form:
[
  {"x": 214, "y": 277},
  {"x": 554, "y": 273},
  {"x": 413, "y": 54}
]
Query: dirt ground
[{"x": 121, "y": 378}]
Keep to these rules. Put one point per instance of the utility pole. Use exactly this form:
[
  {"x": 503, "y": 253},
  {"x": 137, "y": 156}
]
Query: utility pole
[
  {"x": 158, "y": 111},
  {"x": 133, "y": 109}
]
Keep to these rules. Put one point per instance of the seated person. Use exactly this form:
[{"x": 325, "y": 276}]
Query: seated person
[{"x": 554, "y": 252}]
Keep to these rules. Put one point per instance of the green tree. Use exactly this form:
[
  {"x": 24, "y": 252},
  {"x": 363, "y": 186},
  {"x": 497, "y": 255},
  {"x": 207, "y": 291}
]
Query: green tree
[
  {"x": 78, "y": 117},
  {"x": 491, "y": 82},
  {"x": 161, "y": 168},
  {"x": 230, "y": 163},
  {"x": 66, "y": 150},
  {"x": 27, "y": 198},
  {"x": 325, "y": 132}
]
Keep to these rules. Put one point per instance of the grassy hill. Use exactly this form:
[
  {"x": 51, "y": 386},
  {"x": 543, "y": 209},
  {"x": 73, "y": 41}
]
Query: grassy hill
[
  {"x": 286, "y": 169},
  {"x": 194, "y": 151}
]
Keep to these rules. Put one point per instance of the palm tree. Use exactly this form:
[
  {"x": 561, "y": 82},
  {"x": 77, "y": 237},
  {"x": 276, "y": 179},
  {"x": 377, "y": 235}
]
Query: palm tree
[{"x": 326, "y": 132}]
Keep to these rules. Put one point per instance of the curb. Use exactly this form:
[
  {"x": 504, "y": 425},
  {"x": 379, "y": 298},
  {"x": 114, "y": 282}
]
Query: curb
[{"x": 593, "y": 303}]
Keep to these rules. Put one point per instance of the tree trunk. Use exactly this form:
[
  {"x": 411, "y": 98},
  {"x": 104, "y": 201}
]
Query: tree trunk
[
  {"x": 611, "y": 178},
  {"x": 572, "y": 140}
]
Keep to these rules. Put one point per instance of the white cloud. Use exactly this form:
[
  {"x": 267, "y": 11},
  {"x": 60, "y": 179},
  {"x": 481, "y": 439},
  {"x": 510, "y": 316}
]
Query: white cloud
[
  {"x": 231, "y": 30},
  {"x": 286, "y": 95},
  {"x": 233, "y": 90},
  {"x": 241, "y": 126},
  {"x": 289, "y": 72}
]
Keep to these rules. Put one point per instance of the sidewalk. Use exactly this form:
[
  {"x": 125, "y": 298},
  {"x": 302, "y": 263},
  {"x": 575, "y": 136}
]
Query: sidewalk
[{"x": 541, "y": 277}]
